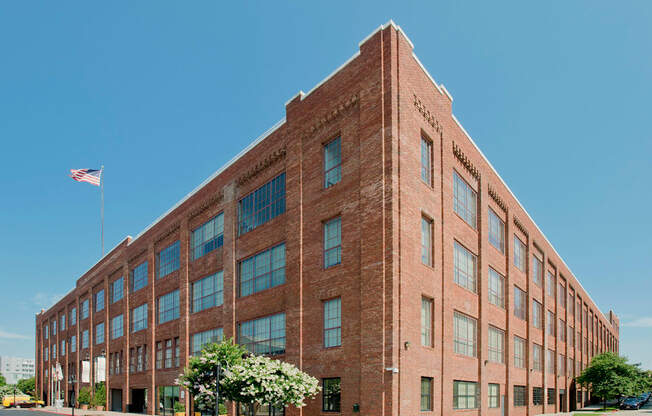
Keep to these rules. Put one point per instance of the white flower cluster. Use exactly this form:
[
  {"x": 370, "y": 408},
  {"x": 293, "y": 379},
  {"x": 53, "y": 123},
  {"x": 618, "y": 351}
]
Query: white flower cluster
[{"x": 263, "y": 380}]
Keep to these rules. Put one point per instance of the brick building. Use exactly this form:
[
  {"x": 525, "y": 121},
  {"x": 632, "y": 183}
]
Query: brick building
[{"x": 364, "y": 238}]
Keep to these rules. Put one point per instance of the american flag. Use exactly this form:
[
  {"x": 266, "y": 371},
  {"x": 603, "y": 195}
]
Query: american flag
[{"x": 92, "y": 176}]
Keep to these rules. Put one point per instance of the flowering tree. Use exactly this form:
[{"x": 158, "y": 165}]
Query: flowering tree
[
  {"x": 199, "y": 376},
  {"x": 247, "y": 379},
  {"x": 260, "y": 380}
]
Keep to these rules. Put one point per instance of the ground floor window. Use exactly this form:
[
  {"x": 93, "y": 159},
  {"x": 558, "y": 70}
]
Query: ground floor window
[
  {"x": 537, "y": 396},
  {"x": 426, "y": 394},
  {"x": 331, "y": 394},
  {"x": 494, "y": 395},
  {"x": 551, "y": 396},
  {"x": 465, "y": 395},
  {"x": 520, "y": 396},
  {"x": 264, "y": 410},
  {"x": 167, "y": 397}
]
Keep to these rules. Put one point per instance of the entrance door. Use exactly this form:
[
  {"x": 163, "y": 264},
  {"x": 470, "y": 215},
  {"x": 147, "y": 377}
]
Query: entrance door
[
  {"x": 562, "y": 402},
  {"x": 137, "y": 401},
  {"x": 502, "y": 405},
  {"x": 116, "y": 400}
]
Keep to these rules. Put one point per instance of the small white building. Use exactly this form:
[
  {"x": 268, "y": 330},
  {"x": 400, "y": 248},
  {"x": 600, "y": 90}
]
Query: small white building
[{"x": 14, "y": 369}]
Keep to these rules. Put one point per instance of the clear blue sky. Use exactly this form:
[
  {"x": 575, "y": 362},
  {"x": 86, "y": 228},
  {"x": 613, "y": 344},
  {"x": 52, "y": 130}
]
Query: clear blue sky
[{"x": 557, "y": 94}]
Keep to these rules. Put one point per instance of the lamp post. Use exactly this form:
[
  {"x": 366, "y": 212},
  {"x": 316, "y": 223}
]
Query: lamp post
[
  {"x": 15, "y": 397},
  {"x": 218, "y": 370},
  {"x": 73, "y": 381}
]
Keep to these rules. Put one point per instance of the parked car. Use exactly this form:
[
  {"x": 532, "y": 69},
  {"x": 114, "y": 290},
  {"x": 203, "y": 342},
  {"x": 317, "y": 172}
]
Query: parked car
[{"x": 631, "y": 403}]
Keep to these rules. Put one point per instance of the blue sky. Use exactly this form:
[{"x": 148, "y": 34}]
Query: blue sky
[{"x": 163, "y": 93}]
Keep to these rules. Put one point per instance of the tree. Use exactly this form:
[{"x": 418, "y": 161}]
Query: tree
[
  {"x": 27, "y": 386},
  {"x": 261, "y": 380},
  {"x": 3, "y": 381},
  {"x": 99, "y": 395},
  {"x": 247, "y": 379},
  {"x": 199, "y": 376},
  {"x": 609, "y": 376}
]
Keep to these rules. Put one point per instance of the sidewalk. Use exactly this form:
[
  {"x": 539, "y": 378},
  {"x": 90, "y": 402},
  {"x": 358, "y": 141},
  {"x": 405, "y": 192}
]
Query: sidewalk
[{"x": 80, "y": 412}]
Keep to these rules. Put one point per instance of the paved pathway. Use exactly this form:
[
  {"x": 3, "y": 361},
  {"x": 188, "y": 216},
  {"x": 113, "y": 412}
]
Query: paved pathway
[{"x": 49, "y": 411}]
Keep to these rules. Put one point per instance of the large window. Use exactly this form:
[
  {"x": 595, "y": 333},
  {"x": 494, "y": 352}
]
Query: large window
[
  {"x": 331, "y": 395},
  {"x": 201, "y": 339},
  {"x": 562, "y": 330},
  {"x": 139, "y": 277},
  {"x": 562, "y": 365},
  {"x": 537, "y": 357},
  {"x": 73, "y": 317},
  {"x": 426, "y": 241},
  {"x": 168, "y": 307},
  {"x": 99, "y": 333},
  {"x": 426, "y": 322},
  {"x": 117, "y": 290},
  {"x": 496, "y": 288},
  {"x": 466, "y": 395},
  {"x": 62, "y": 319},
  {"x": 84, "y": 309},
  {"x": 262, "y": 205},
  {"x": 207, "y": 237},
  {"x": 519, "y": 352},
  {"x": 263, "y": 335},
  {"x": 494, "y": 395},
  {"x": 537, "y": 314},
  {"x": 208, "y": 292},
  {"x": 465, "y": 200},
  {"x": 426, "y": 394},
  {"x": 85, "y": 339},
  {"x": 262, "y": 271},
  {"x": 550, "y": 362},
  {"x": 99, "y": 301},
  {"x": 117, "y": 327},
  {"x": 519, "y": 254},
  {"x": 537, "y": 396},
  {"x": 465, "y": 268},
  {"x": 139, "y": 318},
  {"x": 496, "y": 345},
  {"x": 551, "y": 396},
  {"x": 464, "y": 334},
  {"x": 520, "y": 396},
  {"x": 550, "y": 285},
  {"x": 550, "y": 323},
  {"x": 332, "y": 242},
  {"x": 496, "y": 231},
  {"x": 333, "y": 323},
  {"x": 332, "y": 162},
  {"x": 537, "y": 271},
  {"x": 426, "y": 160},
  {"x": 520, "y": 303},
  {"x": 167, "y": 260},
  {"x": 73, "y": 343},
  {"x": 561, "y": 295}
]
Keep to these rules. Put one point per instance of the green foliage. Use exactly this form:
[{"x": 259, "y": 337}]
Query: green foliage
[
  {"x": 609, "y": 376},
  {"x": 179, "y": 407},
  {"x": 246, "y": 379},
  {"x": 99, "y": 396},
  {"x": 8, "y": 390},
  {"x": 3, "y": 381},
  {"x": 199, "y": 375},
  {"x": 84, "y": 396},
  {"x": 27, "y": 386}
]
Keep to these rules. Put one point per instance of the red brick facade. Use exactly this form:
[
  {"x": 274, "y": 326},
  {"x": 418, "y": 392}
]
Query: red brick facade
[{"x": 381, "y": 104}]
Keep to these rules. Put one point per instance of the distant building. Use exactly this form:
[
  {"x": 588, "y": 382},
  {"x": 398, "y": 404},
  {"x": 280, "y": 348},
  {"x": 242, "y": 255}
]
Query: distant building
[{"x": 15, "y": 369}]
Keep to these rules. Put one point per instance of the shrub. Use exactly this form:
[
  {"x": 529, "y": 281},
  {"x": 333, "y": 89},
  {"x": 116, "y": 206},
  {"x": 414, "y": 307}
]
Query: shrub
[{"x": 84, "y": 396}]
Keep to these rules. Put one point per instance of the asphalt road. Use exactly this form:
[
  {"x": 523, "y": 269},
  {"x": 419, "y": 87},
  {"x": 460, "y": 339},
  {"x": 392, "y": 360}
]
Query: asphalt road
[{"x": 22, "y": 412}]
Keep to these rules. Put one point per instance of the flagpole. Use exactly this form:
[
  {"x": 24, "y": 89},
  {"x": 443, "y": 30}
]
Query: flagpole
[{"x": 102, "y": 208}]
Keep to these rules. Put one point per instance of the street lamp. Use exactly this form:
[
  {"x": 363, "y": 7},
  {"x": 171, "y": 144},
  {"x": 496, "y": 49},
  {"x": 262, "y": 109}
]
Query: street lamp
[
  {"x": 73, "y": 381},
  {"x": 15, "y": 397},
  {"x": 218, "y": 370}
]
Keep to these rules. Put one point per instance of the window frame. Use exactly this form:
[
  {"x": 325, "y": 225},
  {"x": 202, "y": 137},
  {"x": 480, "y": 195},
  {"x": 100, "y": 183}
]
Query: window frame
[
  {"x": 464, "y": 343},
  {"x": 427, "y": 333},
  {"x": 327, "y": 397},
  {"x": 467, "y": 396},
  {"x": 217, "y": 296},
  {"x": 520, "y": 254},
  {"x": 469, "y": 194},
  {"x": 326, "y": 247},
  {"x": 163, "y": 310},
  {"x": 168, "y": 260},
  {"x": 425, "y": 141},
  {"x": 337, "y": 329},
  {"x": 493, "y": 221},
  {"x": 337, "y": 168},
  {"x": 428, "y": 396},
  {"x": 456, "y": 269},
  {"x": 269, "y": 274},
  {"x": 496, "y": 353},
  {"x": 493, "y": 396},
  {"x": 213, "y": 244},
  {"x": 260, "y": 210}
]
